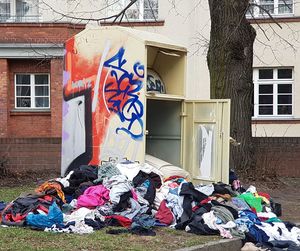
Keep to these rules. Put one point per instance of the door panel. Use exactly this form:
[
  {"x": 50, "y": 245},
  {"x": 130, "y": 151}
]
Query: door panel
[{"x": 206, "y": 140}]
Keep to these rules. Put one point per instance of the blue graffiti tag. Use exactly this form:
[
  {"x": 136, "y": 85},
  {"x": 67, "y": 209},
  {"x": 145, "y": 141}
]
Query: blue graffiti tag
[{"x": 128, "y": 86}]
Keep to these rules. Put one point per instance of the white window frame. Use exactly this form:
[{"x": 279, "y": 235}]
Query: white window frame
[
  {"x": 274, "y": 82},
  {"x": 123, "y": 3},
  {"x": 32, "y": 92},
  {"x": 256, "y": 10}
]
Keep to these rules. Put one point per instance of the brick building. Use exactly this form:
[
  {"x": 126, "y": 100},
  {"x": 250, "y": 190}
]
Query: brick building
[{"x": 31, "y": 57}]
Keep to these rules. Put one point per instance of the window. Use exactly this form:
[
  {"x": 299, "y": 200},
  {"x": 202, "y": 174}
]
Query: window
[
  {"x": 19, "y": 11},
  {"x": 32, "y": 91},
  {"x": 141, "y": 10},
  {"x": 273, "y": 92},
  {"x": 274, "y": 7}
]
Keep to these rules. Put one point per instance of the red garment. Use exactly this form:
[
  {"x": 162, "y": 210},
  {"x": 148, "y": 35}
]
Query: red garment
[
  {"x": 267, "y": 196},
  {"x": 205, "y": 200},
  {"x": 123, "y": 221},
  {"x": 263, "y": 218},
  {"x": 173, "y": 178},
  {"x": 164, "y": 214}
]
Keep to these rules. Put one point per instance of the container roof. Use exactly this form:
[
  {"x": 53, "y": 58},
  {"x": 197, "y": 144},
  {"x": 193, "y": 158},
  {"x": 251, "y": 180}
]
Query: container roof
[{"x": 148, "y": 38}]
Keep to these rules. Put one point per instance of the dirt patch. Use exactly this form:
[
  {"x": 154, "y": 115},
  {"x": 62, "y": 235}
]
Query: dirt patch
[{"x": 30, "y": 177}]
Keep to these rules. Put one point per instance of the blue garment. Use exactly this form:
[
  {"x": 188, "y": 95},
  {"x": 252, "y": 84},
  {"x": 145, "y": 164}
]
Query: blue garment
[
  {"x": 258, "y": 234},
  {"x": 143, "y": 221},
  {"x": 240, "y": 203},
  {"x": 2, "y": 205},
  {"x": 41, "y": 221},
  {"x": 251, "y": 216}
]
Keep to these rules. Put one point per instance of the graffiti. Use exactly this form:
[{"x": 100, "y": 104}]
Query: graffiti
[
  {"x": 123, "y": 94},
  {"x": 118, "y": 145},
  {"x": 154, "y": 83},
  {"x": 107, "y": 88},
  {"x": 84, "y": 83}
]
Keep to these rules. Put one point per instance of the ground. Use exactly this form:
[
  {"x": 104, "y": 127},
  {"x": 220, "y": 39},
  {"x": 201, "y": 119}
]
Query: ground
[{"x": 285, "y": 191}]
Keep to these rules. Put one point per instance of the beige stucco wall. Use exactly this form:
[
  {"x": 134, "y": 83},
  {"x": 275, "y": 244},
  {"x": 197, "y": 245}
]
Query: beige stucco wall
[
  {"x": 277, "y": 47},
  {"x": 188, "y": 22}
]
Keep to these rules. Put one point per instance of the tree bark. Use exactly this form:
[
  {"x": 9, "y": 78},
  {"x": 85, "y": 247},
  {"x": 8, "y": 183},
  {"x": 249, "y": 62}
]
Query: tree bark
[{"x": 230, "y": 58}]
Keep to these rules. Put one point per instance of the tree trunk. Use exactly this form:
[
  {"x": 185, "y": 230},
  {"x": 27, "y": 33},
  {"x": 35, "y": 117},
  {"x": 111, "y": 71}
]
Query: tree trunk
[{"x": 230, "y": 58}]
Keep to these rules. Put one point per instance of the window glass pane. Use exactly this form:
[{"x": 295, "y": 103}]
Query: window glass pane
[
  {"x": 285, "y": 73},
  {"x": 250, "y": 11},
  {"x": 4, "y": 10},
  {"x": 23, "y": 102},
  {"x": 23, "y": 79},
  {"x": 23, "y": 90},
  {"x": 266, "y": 99},
  {"x": 42, "y": 102},
  {"x": 150, "y": 9},
  {"x": 284, "y": 109},
  {"x": 265, "y": 89},
  {"x": 134, "y": 11},
  {"x": 267, "y": 5},
  {"x": 26, "y": 10},
  {"x": 284, "y": 88},
  {"x": 284, "y": 99},
  {"x": 41, "y": 79},
  {"x": 285, "y": 6},
  {"x": 41, "y": 91},
  {"x": 265, "y": 74},
  {"x": 265, "y": 110}
]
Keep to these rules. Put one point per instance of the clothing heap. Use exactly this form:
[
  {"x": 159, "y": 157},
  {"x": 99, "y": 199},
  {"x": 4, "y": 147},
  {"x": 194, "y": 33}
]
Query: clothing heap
[{"x": 140, "y": 197}]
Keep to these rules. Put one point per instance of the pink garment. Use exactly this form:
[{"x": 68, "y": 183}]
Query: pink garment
[
  {"x": 134, "y": 195},
  {"x": 93, "y": 196}
]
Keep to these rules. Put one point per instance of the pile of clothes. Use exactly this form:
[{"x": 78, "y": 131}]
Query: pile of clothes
[{"x": 140, "y": 197}]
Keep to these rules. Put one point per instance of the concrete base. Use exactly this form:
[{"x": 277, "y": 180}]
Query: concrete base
[{"x": 224, "y": 245}]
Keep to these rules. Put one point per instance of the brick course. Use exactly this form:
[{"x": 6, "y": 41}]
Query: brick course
[
  {"x": 281, "y": 154},
  {"x": 32, "y": 154}
]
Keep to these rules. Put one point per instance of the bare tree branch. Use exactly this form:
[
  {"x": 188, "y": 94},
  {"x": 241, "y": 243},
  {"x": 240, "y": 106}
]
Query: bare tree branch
[{"x": 114, "y": 17}]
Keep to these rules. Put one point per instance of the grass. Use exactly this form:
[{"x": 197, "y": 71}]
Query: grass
[{"x": 14, "y": 238}]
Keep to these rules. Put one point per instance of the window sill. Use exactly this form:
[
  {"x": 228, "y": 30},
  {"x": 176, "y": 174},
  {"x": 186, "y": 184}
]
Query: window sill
[
  {"x": 136, "y": 23},
  {"x": 31, "y": 112},
  {"x": 280, "y": 19},
  {"x": 276, "y": 120}
]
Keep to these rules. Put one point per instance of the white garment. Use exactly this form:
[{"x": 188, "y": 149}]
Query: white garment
[
  {"x": 81, "y": 228},
  {"x": 274, "y": 234},
  {"x": 207, "y": 190},
  {"x": 118, "y": 185},
  {"x": 65, "y": 181},
  {"x": 79, "y": 215},
  {"x": 174, "y": 202},
  {"x": 131, "y": 170},
  {"x": 266, "y": 215},
  {"x": 211, "y": 221},
  {"x": 251, "y": 189}
]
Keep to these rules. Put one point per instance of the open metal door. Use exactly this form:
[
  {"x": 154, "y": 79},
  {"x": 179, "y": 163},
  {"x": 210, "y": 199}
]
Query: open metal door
[{"x": 205, "y": 141}]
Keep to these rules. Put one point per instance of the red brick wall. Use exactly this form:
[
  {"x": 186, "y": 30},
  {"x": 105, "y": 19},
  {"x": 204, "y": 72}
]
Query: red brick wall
[
  {"x": 32, "y": 154},
  {"x": 31, "y": 124},
  {"x": 37, "y": 33},
  {"x": 3, "y": 97},
  {"x": 27, "y": 124},
  {"x": 279, "y": 154},
  {"x": 56, "y": 97}
]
